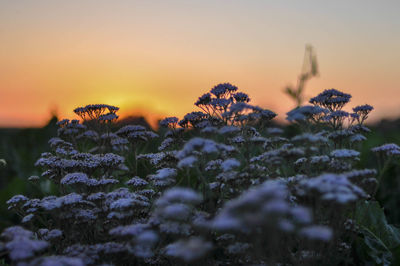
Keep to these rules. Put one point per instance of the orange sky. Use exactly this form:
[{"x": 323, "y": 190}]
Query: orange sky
[{"x": 160, "y": 56}]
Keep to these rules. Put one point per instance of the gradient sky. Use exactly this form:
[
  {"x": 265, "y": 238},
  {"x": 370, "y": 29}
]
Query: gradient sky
[{"x": 158, "y": 57}]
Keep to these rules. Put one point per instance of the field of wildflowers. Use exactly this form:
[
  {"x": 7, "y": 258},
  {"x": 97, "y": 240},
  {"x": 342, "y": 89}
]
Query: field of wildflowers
[{"x": 221, "y": 186}]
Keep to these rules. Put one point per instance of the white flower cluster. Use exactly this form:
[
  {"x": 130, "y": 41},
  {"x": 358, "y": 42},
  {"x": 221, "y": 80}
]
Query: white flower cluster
[
  {"x": 333, "y": 187},
  {"x": 389, "y": 149},
  {"x": 219, "y": 187}
]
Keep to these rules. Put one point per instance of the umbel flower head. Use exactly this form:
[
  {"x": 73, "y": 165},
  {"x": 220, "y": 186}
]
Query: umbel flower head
[
  {"x": 224, "y": 105},
  {"x": 97, "y": 111},
  {"x": 331, "y": 99}
]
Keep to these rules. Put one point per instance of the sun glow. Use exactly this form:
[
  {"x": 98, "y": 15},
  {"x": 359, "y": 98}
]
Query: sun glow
[{"x": 158, "y": 58}]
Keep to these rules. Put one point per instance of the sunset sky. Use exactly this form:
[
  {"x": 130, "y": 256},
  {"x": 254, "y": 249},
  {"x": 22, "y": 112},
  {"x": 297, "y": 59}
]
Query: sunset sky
[{"x": 157, "y": 57}]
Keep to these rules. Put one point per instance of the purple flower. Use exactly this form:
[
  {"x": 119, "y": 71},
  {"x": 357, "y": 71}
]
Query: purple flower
[
  {"x": 169, "y": 121},
  {"x": 241, "y": 97},
  {"x": 204, "y": 99},
  {"x": 331, "y": 99},
  {"x": 220, "y": 89}
]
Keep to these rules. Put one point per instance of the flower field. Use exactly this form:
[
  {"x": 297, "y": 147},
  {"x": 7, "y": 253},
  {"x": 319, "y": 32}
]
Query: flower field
[{"x": 224, "y": 185}]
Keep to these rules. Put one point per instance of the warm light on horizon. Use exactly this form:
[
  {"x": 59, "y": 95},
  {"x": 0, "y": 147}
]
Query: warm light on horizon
[{"x": 158, "y": 57}]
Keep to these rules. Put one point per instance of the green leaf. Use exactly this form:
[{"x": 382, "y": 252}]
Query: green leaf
[
  {"x": 380, "y": 240},
  {"x": 290, "y": 92}
]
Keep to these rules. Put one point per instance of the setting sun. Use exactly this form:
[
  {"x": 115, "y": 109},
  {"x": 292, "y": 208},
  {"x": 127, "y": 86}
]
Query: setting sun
[{"x": 160, "y": 56}]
